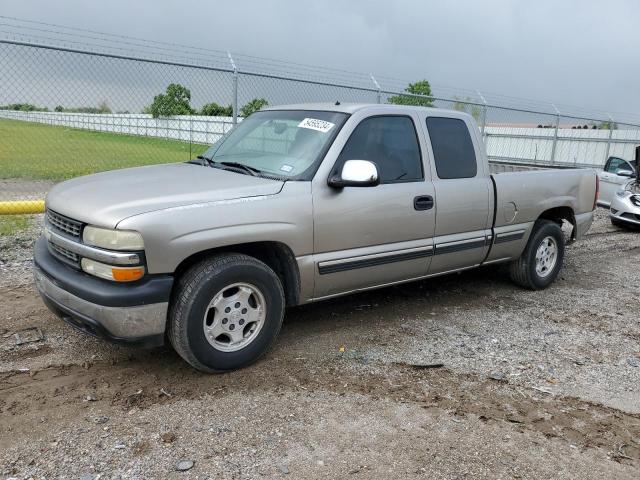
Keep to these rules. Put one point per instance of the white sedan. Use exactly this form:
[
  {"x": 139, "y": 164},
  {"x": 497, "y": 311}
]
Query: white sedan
[
  {"x": 620, "y": 191},
  {"x": 625, "y": 206},
  {"x": 617, "y": 173}
]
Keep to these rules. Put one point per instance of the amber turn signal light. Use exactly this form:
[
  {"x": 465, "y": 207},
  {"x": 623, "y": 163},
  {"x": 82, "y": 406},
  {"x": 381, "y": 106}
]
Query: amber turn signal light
[{"x": 127, "y": 274}]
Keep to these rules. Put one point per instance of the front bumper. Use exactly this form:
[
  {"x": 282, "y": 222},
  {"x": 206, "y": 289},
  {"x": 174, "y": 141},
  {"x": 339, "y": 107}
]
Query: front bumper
[
  {"x": 133, "y": 313},
  {"x": 623, "y": 210}
]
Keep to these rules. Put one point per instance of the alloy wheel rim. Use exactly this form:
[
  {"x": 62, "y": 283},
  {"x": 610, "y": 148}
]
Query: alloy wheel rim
[
  {"x": 234, "y": 317},
  {"x": 546, "y": 256}
]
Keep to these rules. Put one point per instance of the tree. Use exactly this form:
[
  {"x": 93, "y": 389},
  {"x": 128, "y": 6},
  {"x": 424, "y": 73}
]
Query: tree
[
  {"x": 421, "y": 88},
  {"x": 253, "y": 106},
  {"x": 214, "y": 110},
  {"x": 104, "y": 107},
  {"x": 175, "y": 101},
  {"x": 608, "y": 125},
  {"x": 466, "y": 105}
]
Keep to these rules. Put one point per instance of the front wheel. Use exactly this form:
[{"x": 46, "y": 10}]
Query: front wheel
[
  {"x": 226, "y": 312},
  {"x": 617, "y": 223},
  {"x": 542, "y": 259},
  {"x": 624, "y": 225}
]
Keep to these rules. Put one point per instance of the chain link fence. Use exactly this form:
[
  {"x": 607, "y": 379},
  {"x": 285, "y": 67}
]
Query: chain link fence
[{"x": 67, "y": 111}]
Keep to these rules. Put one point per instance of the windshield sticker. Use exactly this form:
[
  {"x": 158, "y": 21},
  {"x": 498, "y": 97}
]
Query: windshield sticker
[
  {"x": 286, "y": 168},
  {"x": 315, "y": 124}
]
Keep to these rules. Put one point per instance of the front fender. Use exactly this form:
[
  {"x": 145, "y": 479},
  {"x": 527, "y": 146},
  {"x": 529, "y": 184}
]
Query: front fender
[{"x": 172, "y": 235}]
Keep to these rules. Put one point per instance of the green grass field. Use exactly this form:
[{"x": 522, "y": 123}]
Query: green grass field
[
  {"x": 12, "y": 224},
  {"x": 33, "y": 151}
]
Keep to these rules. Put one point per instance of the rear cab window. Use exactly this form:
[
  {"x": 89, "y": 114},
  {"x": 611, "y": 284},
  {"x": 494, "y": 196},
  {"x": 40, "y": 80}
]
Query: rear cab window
[{"x": 453, "y": 150}]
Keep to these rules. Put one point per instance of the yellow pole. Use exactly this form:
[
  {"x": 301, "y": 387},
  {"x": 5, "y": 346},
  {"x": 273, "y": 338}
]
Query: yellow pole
[{"x": 20, "y": 207}]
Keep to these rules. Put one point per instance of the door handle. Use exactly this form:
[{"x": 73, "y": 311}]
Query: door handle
[{"x": 423, "y": 202}]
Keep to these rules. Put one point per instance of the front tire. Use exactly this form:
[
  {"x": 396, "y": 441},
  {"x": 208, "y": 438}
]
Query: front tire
[
  {"x": 617, "y": 223},
  {"x": 624, "y": 225},
  {"x": 226, "y": 312},
  {"x": 542, "y": 259}
]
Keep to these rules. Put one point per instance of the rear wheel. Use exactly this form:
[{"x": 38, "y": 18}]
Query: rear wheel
[
  {"x": 542, "y": 259},
  {"x": 226, "y": 312}
]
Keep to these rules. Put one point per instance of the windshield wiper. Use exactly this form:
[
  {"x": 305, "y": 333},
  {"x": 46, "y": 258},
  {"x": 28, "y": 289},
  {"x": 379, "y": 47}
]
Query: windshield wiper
[
  {"x": 205, "y": 161},
  {"x": 250, "y": 170}
]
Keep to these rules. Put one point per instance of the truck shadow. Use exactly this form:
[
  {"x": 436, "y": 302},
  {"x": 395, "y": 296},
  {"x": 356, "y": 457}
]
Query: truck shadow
[{"x": 457, "y": 289}]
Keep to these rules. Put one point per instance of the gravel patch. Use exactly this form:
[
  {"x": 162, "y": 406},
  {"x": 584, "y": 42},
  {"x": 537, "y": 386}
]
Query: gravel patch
[{"x": 16, "y": 254}]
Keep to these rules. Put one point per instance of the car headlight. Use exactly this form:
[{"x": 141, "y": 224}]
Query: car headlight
[
  {"x": 635, "y": 199},
  {"x": 109, "y": 272},
  {"x": 112, "y": 239}
]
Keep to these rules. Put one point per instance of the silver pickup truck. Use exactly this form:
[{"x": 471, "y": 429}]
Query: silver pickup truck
[{"x": 296, "y": 204}]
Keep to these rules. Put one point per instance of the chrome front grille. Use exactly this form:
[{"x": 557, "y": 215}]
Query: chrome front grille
[
  {"x": 63, "y": 254},
  {"x": 64, "y": 224}
]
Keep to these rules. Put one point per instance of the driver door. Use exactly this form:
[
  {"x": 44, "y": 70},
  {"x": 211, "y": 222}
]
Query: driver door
[{"x": 372, "y": 236}]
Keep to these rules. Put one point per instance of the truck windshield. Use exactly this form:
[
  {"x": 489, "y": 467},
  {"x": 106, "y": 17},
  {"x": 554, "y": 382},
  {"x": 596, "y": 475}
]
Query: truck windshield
[{"x": 283, "y": 143}]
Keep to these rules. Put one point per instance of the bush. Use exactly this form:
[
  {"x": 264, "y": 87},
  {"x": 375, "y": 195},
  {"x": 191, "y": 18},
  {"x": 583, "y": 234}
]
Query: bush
[
  {"x": 102, "y": 108},
  {"x": 24, "y": 107},
  {"x": 214, "y": 110}
]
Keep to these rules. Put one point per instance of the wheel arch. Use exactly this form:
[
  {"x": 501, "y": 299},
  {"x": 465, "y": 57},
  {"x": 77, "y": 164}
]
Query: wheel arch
[
  {"x": 560, "y": 214},
  {"x": 277, "y": 255}
]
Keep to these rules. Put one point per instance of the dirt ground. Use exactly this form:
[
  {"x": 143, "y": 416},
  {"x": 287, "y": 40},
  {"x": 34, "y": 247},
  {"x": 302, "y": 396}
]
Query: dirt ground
[{"x": 464, "y": 376}]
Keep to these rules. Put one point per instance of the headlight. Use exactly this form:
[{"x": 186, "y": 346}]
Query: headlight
[
  {"x": 112, "y": 239},
  {"x": 109, "y": 272},
  {"x": 635, "y": 199}
]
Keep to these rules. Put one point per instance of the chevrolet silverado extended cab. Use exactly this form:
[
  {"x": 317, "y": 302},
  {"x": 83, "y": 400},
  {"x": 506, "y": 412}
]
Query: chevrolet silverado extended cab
[{"x": 296, "y": 204}]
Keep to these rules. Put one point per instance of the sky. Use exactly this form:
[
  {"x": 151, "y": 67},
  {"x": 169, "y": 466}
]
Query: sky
[{"x": 579, "y": 53}]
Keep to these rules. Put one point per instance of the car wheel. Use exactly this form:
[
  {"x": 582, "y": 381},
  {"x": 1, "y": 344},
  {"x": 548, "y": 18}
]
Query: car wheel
[
  {"x": 617, "y": 223},
  {"x": 226, "y": 312},
  {"x": 624, "y": 225},
  {"x": 541, "y": 261}
]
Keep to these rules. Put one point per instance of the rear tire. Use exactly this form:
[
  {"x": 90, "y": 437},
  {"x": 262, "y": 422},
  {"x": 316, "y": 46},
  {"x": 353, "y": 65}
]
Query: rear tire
[
  {"x": 225, "y": 312},
  {"x": 542, "y": 259}
]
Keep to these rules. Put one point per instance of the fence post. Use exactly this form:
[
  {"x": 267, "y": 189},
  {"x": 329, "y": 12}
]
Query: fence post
[
  {"x": 484, "y": 117},
  {"x": 555, "y": 135},
  {"x": 378, "y": 95},
  {"x": 609, "y": 137},
  {"x": 190, "y": 136},
  {"x": 235, "y": 89}
]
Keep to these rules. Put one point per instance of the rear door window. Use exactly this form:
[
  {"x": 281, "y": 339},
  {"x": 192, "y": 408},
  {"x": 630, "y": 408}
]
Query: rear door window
[{"x": 453, "y": 150}]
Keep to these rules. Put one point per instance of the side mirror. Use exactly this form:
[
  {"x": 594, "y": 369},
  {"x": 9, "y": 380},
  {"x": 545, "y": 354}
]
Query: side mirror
[
  {"x": 626, "y": 173},
  {"x": 356, "y": 173}
]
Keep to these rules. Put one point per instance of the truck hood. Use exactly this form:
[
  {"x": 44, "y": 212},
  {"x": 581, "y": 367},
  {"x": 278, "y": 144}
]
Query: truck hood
[{"x": 107, "y": 198}]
